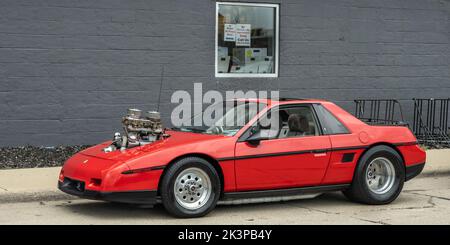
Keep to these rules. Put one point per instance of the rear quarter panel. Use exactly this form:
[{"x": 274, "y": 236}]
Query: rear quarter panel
[{"x": 361, "y": 137}]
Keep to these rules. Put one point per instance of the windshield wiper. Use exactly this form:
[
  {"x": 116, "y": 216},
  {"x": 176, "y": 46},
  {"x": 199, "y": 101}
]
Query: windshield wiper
[
  {"x": 189, "y": 129},
  {"x": 195, "y": 130}
]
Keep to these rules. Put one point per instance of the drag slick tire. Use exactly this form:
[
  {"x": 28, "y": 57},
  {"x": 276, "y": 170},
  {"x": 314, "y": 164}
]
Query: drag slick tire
[
  {"x": 190, "y": 188},
  {"x": 378, "y": 178}
]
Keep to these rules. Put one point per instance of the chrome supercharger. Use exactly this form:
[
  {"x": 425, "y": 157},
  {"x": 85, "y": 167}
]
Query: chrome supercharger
[{"x": 140, "y": 128}]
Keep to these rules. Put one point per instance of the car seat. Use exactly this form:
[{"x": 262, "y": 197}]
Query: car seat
[{"x": 298, "y": 125}]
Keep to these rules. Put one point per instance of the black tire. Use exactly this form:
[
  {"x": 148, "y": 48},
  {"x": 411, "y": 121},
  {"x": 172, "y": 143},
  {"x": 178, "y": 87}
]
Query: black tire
[
  {"x": 359, "y": 190},
  {"x": 167, "y": 187}
]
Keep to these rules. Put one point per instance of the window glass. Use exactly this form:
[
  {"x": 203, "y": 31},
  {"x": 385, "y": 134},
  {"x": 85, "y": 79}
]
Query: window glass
[
  {"x": 289, "y": 122},
  {"x": 234, "y": 116},
  {"x": 298, "y": 122},
  {"x": 246, "y": 39},
  {"x": 330, "y": 124}
]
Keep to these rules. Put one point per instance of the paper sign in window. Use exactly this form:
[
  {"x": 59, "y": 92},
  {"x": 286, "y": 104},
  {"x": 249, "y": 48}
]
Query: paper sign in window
[
  {"x": 229, "y": 33},
  {"x": 243, "y": 34}
]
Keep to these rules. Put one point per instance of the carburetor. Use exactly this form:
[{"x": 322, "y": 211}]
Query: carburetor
[{"x": 140, "y": 128}]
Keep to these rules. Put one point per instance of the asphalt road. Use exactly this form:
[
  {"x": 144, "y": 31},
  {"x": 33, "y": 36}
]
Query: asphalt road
[{"x": 423, "y": 201}]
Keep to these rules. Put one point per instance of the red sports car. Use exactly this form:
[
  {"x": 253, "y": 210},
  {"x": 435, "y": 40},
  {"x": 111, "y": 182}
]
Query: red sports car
[{"x": 316, "y": 147}]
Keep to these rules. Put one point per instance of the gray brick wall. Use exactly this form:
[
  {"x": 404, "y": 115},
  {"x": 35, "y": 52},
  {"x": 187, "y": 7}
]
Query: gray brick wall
[{"x": 70, "y": 68}]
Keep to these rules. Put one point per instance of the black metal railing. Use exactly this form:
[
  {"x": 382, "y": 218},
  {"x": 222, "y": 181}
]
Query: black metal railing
[
  {"x": 430, "y": 122},
  {"x": 379, "y": 111}
]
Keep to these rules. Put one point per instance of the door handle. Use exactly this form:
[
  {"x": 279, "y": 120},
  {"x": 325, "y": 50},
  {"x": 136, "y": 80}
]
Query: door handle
[{"x": 319, "y": 151}]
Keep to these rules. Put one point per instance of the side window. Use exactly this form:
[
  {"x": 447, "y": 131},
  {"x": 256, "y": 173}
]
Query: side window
[
  {"x": 269, "y": 125},
  {"x": 291, "y": 121},
  {"x": 298, "y": 122},
  {"x": 330, "y": 124}
]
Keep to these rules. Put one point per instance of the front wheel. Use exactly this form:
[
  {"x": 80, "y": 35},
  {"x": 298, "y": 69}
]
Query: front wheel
[
  {"x": 190, "y": 188},
  {"x": 378, "y": 178}
]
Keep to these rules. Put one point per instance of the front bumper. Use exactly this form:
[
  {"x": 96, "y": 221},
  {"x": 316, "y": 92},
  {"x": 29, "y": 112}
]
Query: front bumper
[{"x": 76, "y": 188}]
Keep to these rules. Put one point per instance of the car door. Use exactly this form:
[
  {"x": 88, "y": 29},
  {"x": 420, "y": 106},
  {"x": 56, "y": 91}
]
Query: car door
[
  {"x": 347, "y": 147},
  {"x": 284, "y": 161}
]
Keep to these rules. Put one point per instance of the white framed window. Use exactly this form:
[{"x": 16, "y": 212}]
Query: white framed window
[{"x": 247, "y": 39}]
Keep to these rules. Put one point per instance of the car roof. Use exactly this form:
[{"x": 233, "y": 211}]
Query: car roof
[{"x": 282, "y": 101}]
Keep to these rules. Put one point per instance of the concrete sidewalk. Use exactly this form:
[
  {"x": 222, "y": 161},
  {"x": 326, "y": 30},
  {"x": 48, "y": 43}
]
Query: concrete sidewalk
[
  {"x": 438, "y": 163},
  {"x": 40, "y": 184},
  {"x": 30, "y": 184}
]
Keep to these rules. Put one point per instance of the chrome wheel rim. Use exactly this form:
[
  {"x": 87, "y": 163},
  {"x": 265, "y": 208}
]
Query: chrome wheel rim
[
  {"x": 192, "y": 188},
  {"x": 380, "y": 175}
]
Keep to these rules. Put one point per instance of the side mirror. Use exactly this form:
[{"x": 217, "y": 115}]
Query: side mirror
[{"x": 255, "y": 138}]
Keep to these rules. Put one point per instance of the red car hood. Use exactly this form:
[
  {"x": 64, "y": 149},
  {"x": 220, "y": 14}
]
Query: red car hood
[{"x": 176, "y": 139}]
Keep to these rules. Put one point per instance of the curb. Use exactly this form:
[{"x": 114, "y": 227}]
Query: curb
[
  {"x": 434, "y": 173},
  {"x": 42, "y": 196}
]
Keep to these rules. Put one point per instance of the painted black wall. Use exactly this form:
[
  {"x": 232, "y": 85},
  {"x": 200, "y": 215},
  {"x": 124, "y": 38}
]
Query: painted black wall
[{"x": 70, "y": 68}]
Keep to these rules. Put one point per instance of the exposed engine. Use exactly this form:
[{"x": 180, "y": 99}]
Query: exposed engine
[{"x": 140, "y": 128}]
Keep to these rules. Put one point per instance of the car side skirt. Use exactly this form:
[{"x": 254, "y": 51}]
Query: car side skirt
[{"x": 279, "y": 194}]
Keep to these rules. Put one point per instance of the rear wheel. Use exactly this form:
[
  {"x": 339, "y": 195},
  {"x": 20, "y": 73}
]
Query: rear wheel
[
  {"x": 378, "y": 178},
  {"x": 190, "y": 188}
]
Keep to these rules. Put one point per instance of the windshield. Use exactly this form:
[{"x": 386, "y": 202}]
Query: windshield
[{"x": 223, "y": 118}]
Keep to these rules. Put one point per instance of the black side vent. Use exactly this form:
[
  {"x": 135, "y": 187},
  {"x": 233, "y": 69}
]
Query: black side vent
[{"x": 348, "y": 157}]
